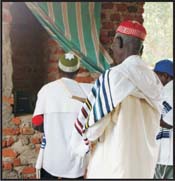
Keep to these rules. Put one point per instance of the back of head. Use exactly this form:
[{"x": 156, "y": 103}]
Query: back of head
[
  {"x": 132, "y": 44},
  {"x": 68, "y": 65},
  {"x": 129, "y": 37},
  {"x": 164, "y": 70}
]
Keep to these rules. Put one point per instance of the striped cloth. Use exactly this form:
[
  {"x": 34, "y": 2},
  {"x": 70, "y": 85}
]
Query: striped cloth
[
  {"x": 166, "y": 108},
  {"x": 39, "y": 161},
  {"x": 131, "y": 77},
  {"x": 43, "y": 143},
  {"x": 98, "y": 104},
  {"x": 164, "y": 132},
  {"x": 75, "y": 26}
]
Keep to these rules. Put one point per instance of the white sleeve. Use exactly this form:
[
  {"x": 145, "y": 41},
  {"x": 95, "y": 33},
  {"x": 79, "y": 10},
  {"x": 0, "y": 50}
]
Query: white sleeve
[
  {"x": 168, "y": 104},
  {"x": 40, "y": 103},
  {"x": 95, "y": 131},
  {"x": 168, "y": 118},
  {"x": 77, "y": 144}
]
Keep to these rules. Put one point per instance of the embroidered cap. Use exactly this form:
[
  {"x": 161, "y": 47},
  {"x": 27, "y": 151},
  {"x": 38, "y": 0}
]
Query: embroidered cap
[
  {"x": 132, "y": 28},
  {"x": 164, "y": 66},
  {"x": 69, "y": 63}
]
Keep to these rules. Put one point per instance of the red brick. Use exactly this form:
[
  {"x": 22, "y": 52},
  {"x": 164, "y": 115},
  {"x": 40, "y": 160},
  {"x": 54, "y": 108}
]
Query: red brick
[
  {"x": 36, "y": 140},
  {"x": 9, "y": 141},
  {"x": 9, "y": 100},
  {"x": 107, "y": 6},
  {"x": 81, "y": 70},
  {"x": 8, "y": 152},
  {"x": 16, "y": 162},
  {"x": 132, "y": 9},
  {"x": 32, "y": 177},
  {"x": 103, "y": 33},
  {"x": 52, "y": 69},
  {"x": 7, "y": 166},
  {"x": 52, "y": 42},
  {"x": 27, "y": 177},
  {"x": 28, "y": 170},
  {"x": 37, "y": 148},
  {"x": 51, "y": 78},
  {"x": 141, "y": 3},
  {"x": 121, "y": 7},
  {"x": 4, "y": 143},
  {"x": 58, "y": 52},
  {"x": 141, "y": 10},
  {"x": 128, "y": 18},
  {"x": 105, "y": 39},
  {"x": 111, "y": 34},
  {"x": 52, "y": 61},
  {"x": 103, "y": 15},
  {"x": 108, "y": 25},
  {"x": 11, "y": 131},
  {"x": 27, "y": 131},
  {"x": 84, "y": 79},
  {"x": 16, "y": 120},
  {"x": 115, "y": 17},
  {"x": 139, "y": 19}
]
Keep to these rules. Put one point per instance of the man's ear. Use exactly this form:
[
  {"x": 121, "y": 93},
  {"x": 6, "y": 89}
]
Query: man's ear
[
  {"x": 141, "y": 50},
  {"x": 120, "y": 41},
  {"x": 166, "y": 76}
]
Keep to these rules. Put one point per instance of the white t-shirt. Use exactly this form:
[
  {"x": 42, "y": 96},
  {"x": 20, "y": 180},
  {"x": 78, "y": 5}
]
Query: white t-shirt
[
  {"x": 165, "y": 136},
  {"x": 60, "y": 113}
]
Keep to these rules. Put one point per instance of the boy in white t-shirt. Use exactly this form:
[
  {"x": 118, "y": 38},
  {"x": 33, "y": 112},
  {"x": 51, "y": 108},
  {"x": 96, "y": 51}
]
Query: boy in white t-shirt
[{"x": 164, "y": 168}]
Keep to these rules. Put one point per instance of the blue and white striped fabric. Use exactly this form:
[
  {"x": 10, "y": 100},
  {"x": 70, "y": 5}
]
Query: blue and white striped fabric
[
  {"x": 39, "y": 161},
  {"x": 43, "y": 143},
  {"x": 99, "y": 101},
  {"x": 102, "y": 95},
  {"x": 164, "y": 133},
  {"x": 166, "y": 108}
]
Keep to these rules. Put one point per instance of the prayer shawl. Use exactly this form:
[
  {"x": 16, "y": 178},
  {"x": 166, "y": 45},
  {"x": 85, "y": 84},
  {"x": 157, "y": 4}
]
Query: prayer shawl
[
  {"x": 166, "y": 110},
  {"x": 165, "y": 136},
  {"x": 106, "y": 94},
  {"x": 164, "y": 132}
]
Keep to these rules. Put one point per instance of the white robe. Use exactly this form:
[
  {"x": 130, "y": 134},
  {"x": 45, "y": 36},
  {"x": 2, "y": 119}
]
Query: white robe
[
  {"x": 60, "y": 112},
  {"x": 128, "y": 147}
]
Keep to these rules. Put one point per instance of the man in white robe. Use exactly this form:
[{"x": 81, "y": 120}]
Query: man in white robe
[
  {"x": 56, "y": 111},
  {"x": 123, "y": 139},
  {"x": 164, "y": 168}
]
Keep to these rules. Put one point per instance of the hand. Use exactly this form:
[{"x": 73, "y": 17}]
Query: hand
[
  {"x": 92, "y": 146},
  {"x": 85, "y": 174}
]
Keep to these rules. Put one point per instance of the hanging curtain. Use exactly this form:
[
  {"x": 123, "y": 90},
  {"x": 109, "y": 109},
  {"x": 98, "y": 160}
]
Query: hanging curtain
[{"x": 75, "y": 26}]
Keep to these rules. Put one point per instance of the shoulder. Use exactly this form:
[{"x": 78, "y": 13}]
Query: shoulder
[
  {"x": 168, "y": 87},
  {"x": 49, "y": 87}
]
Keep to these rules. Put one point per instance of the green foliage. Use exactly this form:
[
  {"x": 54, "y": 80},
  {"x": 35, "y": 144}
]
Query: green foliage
[{"x": 158, "y": 21}]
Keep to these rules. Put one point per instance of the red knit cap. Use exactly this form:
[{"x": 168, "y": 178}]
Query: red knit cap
[{"x": 132, "y": 28}]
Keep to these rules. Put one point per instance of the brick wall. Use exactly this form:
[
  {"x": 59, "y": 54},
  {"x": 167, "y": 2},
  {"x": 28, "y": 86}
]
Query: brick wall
[
  {"x": 112, "y": 14},
  {"x": 33, "y": 61},
  {"x": 29, "y": 41}
]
